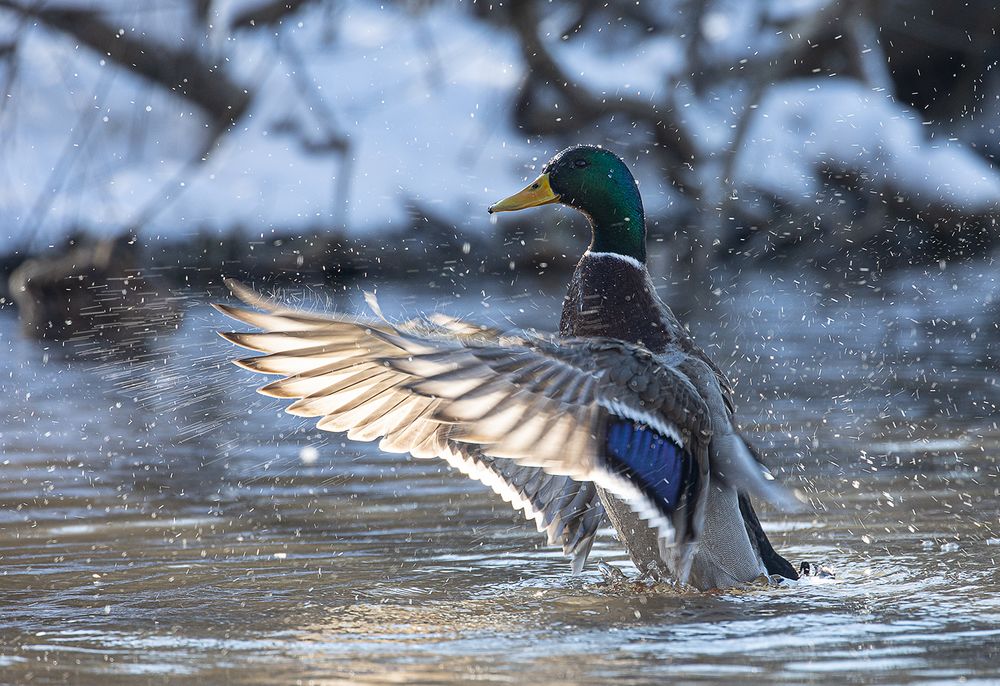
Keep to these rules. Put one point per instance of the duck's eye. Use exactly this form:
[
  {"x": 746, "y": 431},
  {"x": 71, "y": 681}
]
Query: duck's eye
[
  {"x": 580, "y": 163},
  {"x": 534, "y": 186}
]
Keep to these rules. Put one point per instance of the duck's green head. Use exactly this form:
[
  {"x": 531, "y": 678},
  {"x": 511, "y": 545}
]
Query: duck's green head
[{"x": 596, "y": 182}]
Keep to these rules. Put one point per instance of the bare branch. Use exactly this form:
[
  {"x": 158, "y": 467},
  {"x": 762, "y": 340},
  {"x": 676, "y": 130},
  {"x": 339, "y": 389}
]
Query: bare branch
[
  {"x": 660, "y": 117},
  {"x": 267, "y": 13},
  {"x": 180, "y": 71}
]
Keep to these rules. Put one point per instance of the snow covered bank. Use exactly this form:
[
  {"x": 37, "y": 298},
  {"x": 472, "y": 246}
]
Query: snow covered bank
[
  {"x": 419, "y": 97},
  {"x": 363, "y": 116}
]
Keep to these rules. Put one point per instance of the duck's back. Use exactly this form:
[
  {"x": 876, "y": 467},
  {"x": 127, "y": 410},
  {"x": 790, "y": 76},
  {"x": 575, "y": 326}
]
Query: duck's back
[{"x": 612, "y": 296}]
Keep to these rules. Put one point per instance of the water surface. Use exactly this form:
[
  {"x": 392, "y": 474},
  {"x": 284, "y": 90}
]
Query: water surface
[{"x": 161, "y": 522}]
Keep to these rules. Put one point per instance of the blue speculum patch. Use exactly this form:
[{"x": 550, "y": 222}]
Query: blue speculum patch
[{"x": 647, "y": 458}]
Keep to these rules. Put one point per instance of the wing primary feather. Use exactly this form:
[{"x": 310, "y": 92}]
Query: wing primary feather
[{"x": 543, "y": 405}]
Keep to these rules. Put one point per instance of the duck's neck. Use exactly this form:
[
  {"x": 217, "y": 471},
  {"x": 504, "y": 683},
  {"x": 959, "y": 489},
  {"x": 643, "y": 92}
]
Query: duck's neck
[
  {"x": 612, "y": 296},
  {"x": 619, "y": 227}
]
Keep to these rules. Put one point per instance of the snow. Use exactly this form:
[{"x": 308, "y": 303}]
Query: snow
[
  {"x": 422, "y": 95},
  {"x": 615, "y": 68},
  {"x": 839, "y": 125},
  {"x": 422, "y": 100}
]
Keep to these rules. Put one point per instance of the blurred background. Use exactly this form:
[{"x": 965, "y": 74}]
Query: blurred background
[
  {"x": 820, "y": 185},
  {"x": 318, "y": 136}
]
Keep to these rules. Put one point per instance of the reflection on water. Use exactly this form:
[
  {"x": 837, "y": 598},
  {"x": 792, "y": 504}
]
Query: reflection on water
[{"x": 158, "y": 519}]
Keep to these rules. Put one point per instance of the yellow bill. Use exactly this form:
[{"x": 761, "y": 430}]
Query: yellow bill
[{"x": 539, "y": 192}]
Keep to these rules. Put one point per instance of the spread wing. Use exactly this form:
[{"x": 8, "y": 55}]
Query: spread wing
[
  {"x": 598, "y": 410},
  {"x": 332, "y": 368},
  {"x": 558, "y": 416}
]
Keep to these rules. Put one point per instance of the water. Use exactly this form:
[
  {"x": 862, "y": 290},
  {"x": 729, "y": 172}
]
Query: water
[{"x": 160, "y": 521}]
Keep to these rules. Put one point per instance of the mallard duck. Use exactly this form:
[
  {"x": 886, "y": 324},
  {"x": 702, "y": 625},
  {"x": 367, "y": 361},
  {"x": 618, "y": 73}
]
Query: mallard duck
[{"x": 619, "y": 415}]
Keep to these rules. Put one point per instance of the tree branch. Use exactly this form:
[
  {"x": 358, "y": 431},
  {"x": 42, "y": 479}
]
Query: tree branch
[
  {"x": 180, "y": 71},
  {"x": 660, "y": 117}
]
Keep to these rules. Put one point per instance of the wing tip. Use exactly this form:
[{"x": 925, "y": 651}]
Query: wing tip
[
  {"x": 276, "y": 389},
  {"x": 240, "y": 314},
  {"x": 793, "y": 501},
  {"x": 228, "y": 310},
  {"x": 245, "y": 363},
  {"x": 247, "y": 294},
  {"x": 255, "y": 364},
  {"x": 238, "y": 338},
  {"x": 783, "y": 499},
  {"x": 301, "y": 411}
]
